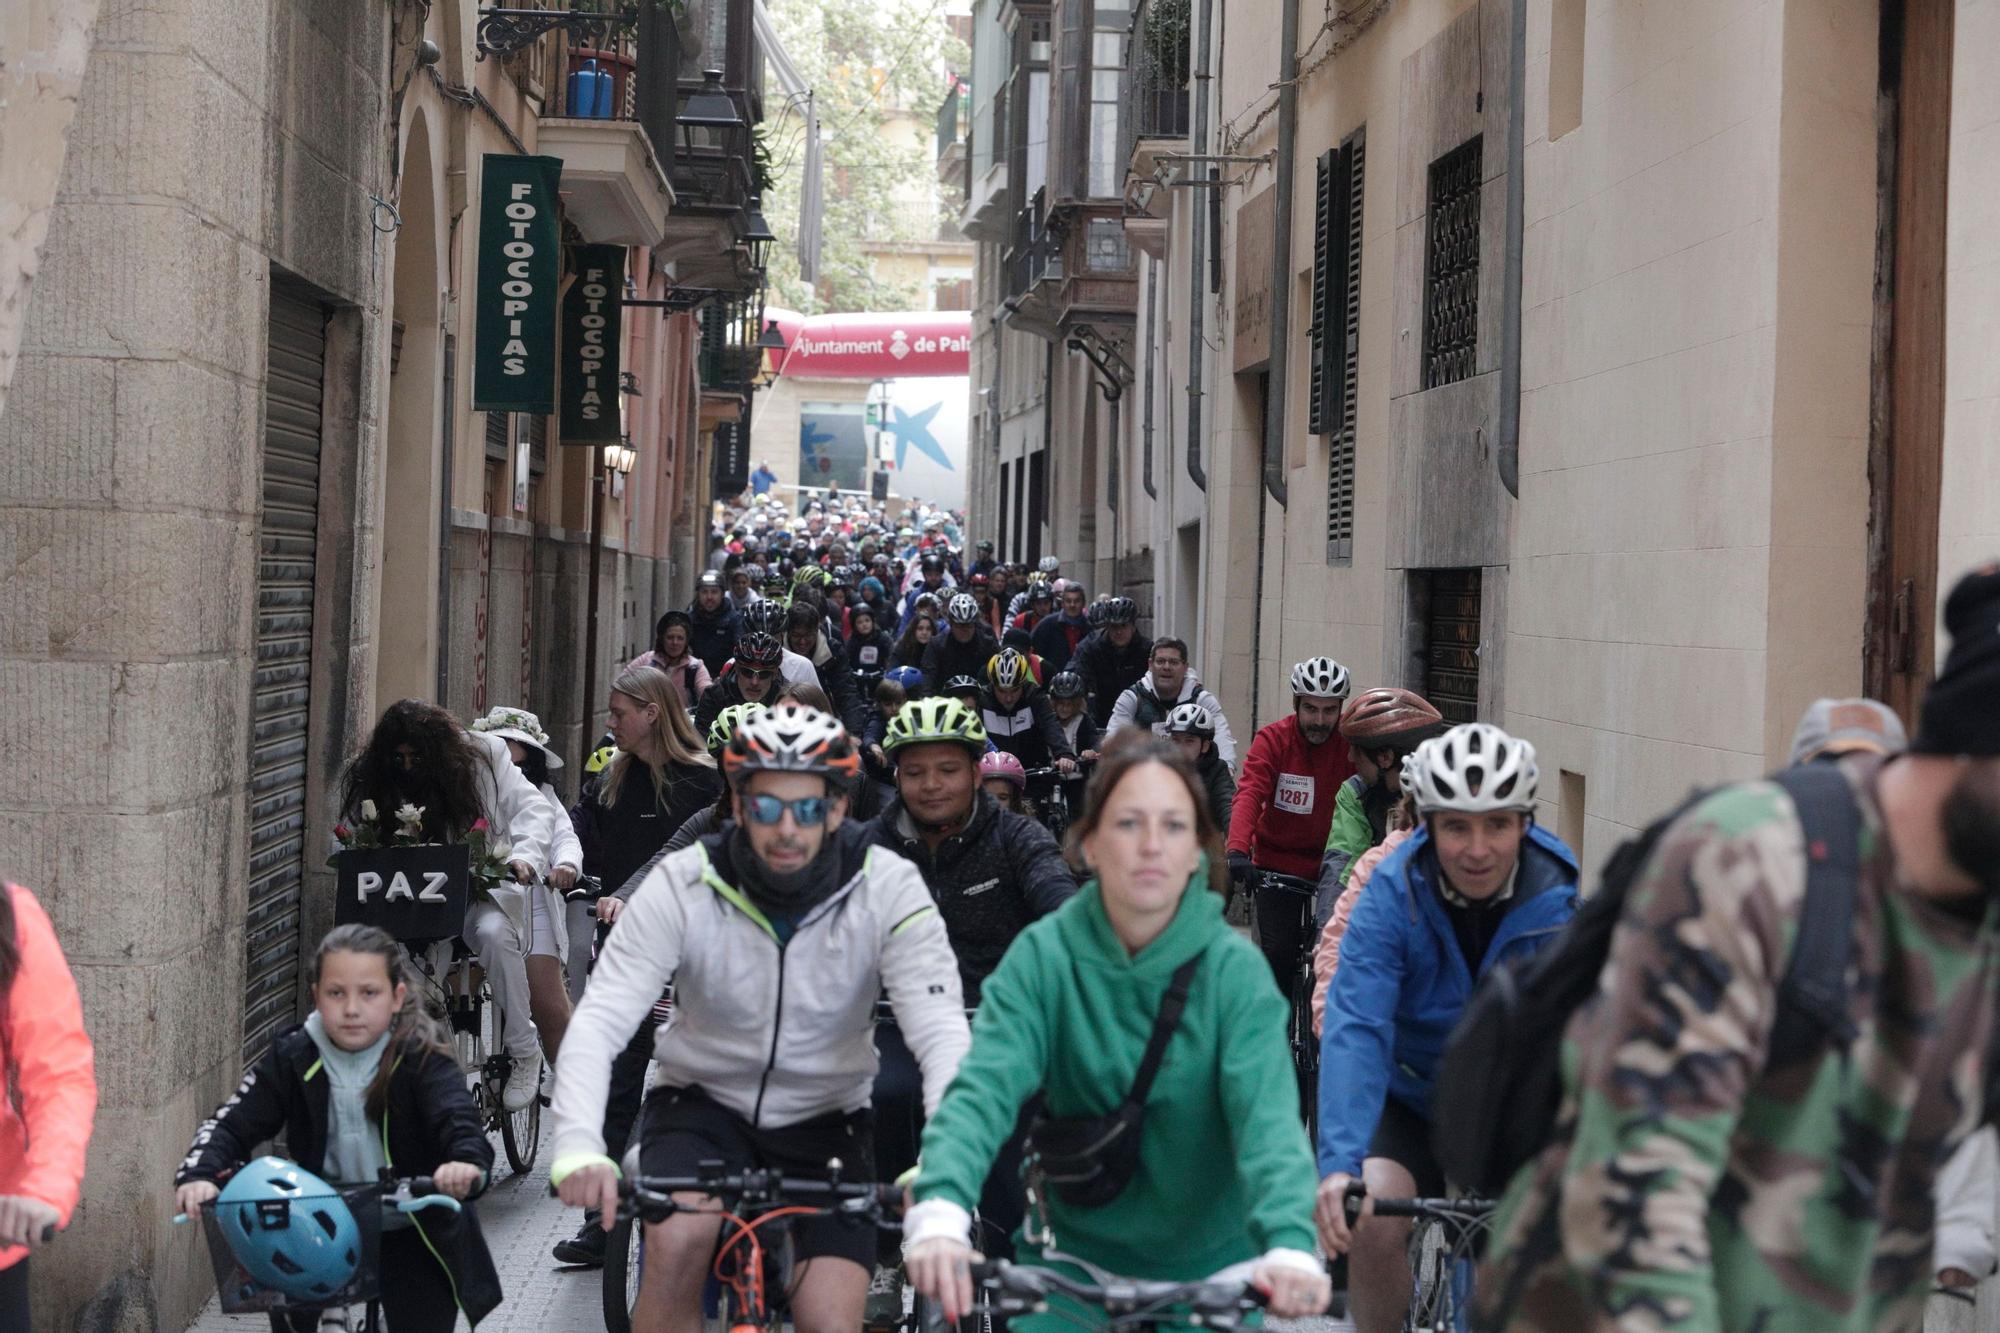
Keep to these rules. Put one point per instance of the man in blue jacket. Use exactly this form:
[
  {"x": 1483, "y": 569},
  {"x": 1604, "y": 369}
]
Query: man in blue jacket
[{"x": 1480, "y": 882}]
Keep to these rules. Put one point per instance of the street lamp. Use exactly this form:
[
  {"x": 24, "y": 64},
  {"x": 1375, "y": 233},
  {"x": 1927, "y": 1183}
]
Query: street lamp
[
  {"x": 757, "y": 234},
  {"x": 708, "y": 108}
]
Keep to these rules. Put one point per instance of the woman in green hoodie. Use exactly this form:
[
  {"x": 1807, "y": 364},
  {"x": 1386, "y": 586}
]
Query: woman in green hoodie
[{"x": 1224, "y": 1174}]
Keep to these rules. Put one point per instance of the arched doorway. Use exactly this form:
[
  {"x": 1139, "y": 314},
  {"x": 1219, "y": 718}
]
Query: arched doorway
[{"x": 407, "y": 604}]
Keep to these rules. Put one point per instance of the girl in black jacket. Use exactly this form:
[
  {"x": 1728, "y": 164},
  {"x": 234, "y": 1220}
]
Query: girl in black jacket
[{"x": 366, "y": 1084}]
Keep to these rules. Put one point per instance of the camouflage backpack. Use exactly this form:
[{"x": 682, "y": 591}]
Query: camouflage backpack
[{"x": 1499, "y": 1086}]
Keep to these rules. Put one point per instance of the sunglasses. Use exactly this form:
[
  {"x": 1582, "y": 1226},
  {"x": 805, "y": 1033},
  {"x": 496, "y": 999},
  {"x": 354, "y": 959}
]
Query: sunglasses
[
  {"x": 752, "y": 673},
  {"x": 807, "y": 811}
]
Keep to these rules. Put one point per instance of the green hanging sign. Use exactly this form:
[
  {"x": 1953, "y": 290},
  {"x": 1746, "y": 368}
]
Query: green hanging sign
[
  {"x": 520, "y": 257},
  {"x": 593, "y": 315}
]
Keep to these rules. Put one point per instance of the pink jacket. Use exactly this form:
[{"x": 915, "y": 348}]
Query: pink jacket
[
  {"x": 42, "y": 1147},
  {"x": 1326, "y": 954}
]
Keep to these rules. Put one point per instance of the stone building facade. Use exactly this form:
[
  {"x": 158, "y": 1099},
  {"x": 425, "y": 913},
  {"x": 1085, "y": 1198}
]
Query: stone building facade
[
  {"x": 1739, "y": 446},
  {"x": 245, "y": 502}
]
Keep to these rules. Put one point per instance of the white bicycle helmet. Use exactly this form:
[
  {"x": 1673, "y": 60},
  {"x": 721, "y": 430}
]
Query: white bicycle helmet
[
  {"x": 1474, "y": 768},
  {"x": 1190, "y": 720},
  {"x": 962, "y": 609},
  {"x": 1048, "y": 564},
  {"x": 1320, "y": 678}
]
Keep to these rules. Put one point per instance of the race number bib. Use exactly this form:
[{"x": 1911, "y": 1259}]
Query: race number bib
[{"x": 1295, "y": 793}]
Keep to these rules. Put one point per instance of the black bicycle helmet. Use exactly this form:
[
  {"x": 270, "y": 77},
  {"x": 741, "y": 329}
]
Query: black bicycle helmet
[{"x": 1066, "y": 685}]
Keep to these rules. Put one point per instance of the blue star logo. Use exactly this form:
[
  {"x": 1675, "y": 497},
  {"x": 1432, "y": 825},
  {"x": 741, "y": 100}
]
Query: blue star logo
[
  {"x": 915, "y": 429},
  {"x": 810, "y": 437}
]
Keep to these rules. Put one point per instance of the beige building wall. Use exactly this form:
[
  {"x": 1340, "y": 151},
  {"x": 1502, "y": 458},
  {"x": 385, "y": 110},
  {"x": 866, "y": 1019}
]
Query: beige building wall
[{"x": 1969, "y": 526}]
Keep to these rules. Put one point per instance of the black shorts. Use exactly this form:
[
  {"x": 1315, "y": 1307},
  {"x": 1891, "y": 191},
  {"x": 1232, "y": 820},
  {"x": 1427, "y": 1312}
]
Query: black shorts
[
  {"x": 682, "y": 1127},
  {"x": 1404, "y": 1137}
]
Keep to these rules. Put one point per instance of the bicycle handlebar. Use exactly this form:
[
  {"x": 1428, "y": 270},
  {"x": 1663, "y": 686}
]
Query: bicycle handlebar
[
  {"x": 652, "y": 1196},
  {"x": 1051, "y": 771},
  {"x": 1292, "y": 884},
  {"x": 1022, "y": 1289},
  {"x": 1452, "y": 1210},
  {"x": 408, "y": 1194}
]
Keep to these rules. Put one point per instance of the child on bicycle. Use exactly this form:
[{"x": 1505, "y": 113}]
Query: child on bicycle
[{"x": 367, "y": 1084}]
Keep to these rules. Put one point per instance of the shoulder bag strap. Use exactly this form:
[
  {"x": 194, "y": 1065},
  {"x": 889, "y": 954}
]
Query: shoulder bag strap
[{"x": 1171, "y": 1006}]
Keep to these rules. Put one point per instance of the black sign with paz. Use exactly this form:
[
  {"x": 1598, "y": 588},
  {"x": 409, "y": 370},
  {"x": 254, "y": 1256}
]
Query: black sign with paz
[{"x": 414, "y": 893}]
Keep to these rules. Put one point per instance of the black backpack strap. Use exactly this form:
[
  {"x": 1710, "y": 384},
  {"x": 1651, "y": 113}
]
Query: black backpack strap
[
  {"x": 1812, "y": 998},
  {"x": 1171, "y": 1006}
]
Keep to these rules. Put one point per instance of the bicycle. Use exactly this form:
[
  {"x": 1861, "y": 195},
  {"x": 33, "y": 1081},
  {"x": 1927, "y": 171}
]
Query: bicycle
[
  {"x": 1444, "y": 1242},
  {"x": 1053, "y": 805},
  {"x": 460, "y": 993},
  {"x": 755, "y": 1278},
  {"x": 1299, "y": 1032},
  {"x": 1002, "y": 1290},
  {"x": 238, "y": 1293}
]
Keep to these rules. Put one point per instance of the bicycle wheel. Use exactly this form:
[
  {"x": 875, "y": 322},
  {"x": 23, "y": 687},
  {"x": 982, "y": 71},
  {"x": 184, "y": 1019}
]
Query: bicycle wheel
[
  {"x": 624, "y": 1261},
  {"x": 468, "y": 1032},
  {"x": 1305, "y": 1049},
  {"x": 521, "y": 1135}
]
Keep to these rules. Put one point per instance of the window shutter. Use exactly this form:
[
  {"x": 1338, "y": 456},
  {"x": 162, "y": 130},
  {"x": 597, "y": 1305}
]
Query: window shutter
[
  {"x": 538, "y": 445},
  {"x": 1316, "y": 418},
  {"x": 1342, "y": 343},
  {"x": 496, "y": 437}
]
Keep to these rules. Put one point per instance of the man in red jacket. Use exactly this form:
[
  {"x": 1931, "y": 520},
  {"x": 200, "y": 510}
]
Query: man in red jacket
[{"x": 1284, "y": 805}]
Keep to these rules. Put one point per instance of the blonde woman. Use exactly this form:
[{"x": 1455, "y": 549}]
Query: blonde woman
[{"x": 660, "y": 776}]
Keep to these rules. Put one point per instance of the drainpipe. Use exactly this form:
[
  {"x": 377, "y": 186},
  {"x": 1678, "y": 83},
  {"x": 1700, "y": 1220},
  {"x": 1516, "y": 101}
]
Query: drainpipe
[
  {"x": 1198, "y": 211},
  {"x": 1281, "y": 260},
  {"x": 1510, "y": 313}
]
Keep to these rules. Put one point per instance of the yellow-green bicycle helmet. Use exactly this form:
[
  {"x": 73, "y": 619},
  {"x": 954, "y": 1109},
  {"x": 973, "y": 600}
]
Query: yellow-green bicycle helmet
[
  {"x": 726, "y": 722},
  {"x": 933, "y": 720}
]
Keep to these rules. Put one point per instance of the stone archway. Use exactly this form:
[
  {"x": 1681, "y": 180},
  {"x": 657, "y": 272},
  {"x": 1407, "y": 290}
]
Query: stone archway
[{"x": 407, "y": 603}]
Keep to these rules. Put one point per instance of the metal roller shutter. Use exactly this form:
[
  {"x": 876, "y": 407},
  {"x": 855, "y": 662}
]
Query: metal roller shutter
[{"x": 280, "y": 711}]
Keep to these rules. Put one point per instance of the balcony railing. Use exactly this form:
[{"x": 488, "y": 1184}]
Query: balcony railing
[
  {"x": 730, "y": 357},
  {"x": 635, "y": 79},
  {"x": 1155, "y": 103},
  {"x": 1037, "y": 249}
]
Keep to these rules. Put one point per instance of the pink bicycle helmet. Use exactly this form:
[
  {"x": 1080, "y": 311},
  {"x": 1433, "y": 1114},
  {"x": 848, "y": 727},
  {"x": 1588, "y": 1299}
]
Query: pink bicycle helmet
[{"x": 1000, "y": 764}]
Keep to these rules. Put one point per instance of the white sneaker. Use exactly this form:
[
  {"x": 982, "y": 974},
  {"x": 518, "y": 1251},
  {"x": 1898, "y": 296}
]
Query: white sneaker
[{"x": 523, "y": 1084}]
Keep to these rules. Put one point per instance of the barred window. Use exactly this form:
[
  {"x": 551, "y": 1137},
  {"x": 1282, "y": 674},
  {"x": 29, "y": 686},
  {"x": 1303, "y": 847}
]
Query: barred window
[{"x": 1451, "y": 267}]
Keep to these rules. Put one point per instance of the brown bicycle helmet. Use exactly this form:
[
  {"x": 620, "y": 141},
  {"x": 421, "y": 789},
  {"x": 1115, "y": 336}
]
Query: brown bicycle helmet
[{"x": 1386, "y": 718}]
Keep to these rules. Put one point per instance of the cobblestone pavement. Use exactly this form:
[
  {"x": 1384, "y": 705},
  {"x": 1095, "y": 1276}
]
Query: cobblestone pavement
[{"x": 521, "y": 1222}]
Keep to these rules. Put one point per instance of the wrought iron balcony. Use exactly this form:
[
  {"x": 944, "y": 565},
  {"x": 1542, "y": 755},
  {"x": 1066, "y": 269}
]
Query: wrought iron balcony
[{"x": 611, "y": 120}]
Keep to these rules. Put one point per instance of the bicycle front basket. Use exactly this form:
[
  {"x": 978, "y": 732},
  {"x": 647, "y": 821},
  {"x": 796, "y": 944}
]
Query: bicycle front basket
[{"x": 241, "y": 1293}]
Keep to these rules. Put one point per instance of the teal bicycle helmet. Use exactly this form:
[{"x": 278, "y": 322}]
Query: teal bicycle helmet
[{"x": 292, "y": 1232}]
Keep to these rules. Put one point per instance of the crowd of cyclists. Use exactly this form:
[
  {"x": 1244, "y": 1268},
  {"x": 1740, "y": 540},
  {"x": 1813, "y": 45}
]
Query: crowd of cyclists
[{"x": 933, "y": 868}]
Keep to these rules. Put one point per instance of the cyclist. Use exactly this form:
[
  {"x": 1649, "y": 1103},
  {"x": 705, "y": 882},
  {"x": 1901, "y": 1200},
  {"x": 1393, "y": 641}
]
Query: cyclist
[
  {"x": 990, "y": 870},
  {"x": 672, "y": 652},
  {"x": 367, "y": 1084},
  {"x": 965, "y": 648},
  {"x": 743, "y": 589},
  {"x": 1192, "y": 728},
  {"x": 1066, "y": 698},
  {"x": 805, "y": 634},
  {"x": 1216, "y": 1178},
  {"x": 985, "y": 563},
  {"x": 1036, "y": 606},
  {"x": 1058, "y": 636},
  {"x": 1112, "y": 656},
  {"x": 1017, "y": 715},
  {"x": 713, "y": 624},
  {"x": 792, "y": 902},
  {"x": 1002, "y": 777},
  {"x": 1147, "y": 701},
  {"x": 918, "y": 633},
  {"x": 1380, "y": 726},
  {"x": 751, "y": 678},
  {"x": 552, "y": 928},
  {"x": 1478, "y": 883},
  {"x": 50, "y": 1093},
  {"x": 1836, "y": 1151},
  {"x": 931, "y": 579},
  {"x": 966, "y": 689},
  {"x": 868, "y": 645},
  {"x": 991, "y": 613},
  {"x": 419, "y": 756},
  {"x": 1023, "y": 643},
  {"x": 773, "y": 616},
  {"x": 1284, "y": 804}
]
